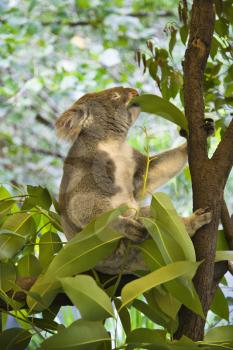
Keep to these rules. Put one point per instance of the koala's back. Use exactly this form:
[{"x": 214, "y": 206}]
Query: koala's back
[{"x": 96, "y": 178}]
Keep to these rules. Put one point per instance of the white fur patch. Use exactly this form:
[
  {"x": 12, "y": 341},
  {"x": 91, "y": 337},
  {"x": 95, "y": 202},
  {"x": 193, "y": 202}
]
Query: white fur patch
[
  {"x": 88, "y": 121},
  {"x": 122, "y": 156}
]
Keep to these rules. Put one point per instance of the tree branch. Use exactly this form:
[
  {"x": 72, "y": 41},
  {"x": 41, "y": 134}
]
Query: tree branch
[
  {"x": 43, "y": 151},
  {"x": 44, "y": 121},
  {"x": 223, "y": 156},
  {"x": 227, "y": 224},
  {"x": 25, "y": 284}
]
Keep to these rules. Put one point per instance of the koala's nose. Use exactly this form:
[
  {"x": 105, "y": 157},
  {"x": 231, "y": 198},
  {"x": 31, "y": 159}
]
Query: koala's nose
[{"x": 135, "y": 104}]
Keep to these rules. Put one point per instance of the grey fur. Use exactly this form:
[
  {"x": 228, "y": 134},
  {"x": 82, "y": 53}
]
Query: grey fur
[{"x": 102, "y": 172}]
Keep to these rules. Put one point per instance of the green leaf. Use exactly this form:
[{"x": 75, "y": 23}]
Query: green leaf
[
  {"x": 7, "y": 276},
  {"x": 214, "y": 48},
  {"x": 184, "y": 291},
  {"x": 14, "y": 338},
  {"x": 184, "y": 34},
  {"x": 98, "y": 224},
  {"x": 44, "y": 323},
  {"x": 223, "y": 255},
  {"x": 164, "y": 274},
  {"x": 161, "y": 107},
  {"x": 153, "y": 312},
  {"x": 165, "y": 214},
  {"x": 28, "y": 266},
  {"x": 170, "y": 250},
  {"x": 80, "y": 335},
  {"x": 78, "y": 256},
  {"x": 142, "y": 337},
  {"x": 50, "y": 244},
  {"x": 21, "y": 223},
  {"x": 92, "y": 302},
  {"x": 4, "y": 193},
  {"x": 10, "y": 244},
  {"x": 72, "y": 259},
  {"x": 5, "y": 207},
  {"x": 124, "y": 316},
  {"x": 221, "y": 241},
  {"x": 220, "y": 334},
  {"x": 166, "y": 302},
  {"x": 172, "y": 41},
  {"x": 152, "y": 256},
  {"x": 38, "y": 196},
  {"x": 220, "y": 305}
]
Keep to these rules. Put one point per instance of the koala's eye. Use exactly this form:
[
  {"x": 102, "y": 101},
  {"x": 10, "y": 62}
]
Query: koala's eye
[{"x": 79, "y": 111}]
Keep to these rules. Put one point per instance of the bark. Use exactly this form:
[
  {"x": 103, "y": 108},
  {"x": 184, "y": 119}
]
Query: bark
[
  {"x": 227, "y": 224},
  {"x": 208, "y": 175}
]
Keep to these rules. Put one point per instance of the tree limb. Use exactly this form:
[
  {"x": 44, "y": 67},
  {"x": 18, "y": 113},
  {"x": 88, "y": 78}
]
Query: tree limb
[
  {"x": 44, "y": 121},
  {"x": 227, "y": 224},
  {"x": 223, "y": 156},
  {"x": 43, "y": 151}
]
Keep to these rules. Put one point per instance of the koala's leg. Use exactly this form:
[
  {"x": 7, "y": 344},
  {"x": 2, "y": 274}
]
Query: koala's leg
[
  {"x": 199, "y": 218},
  {"x": 192, "y": 223},
  {"x": 162, "y": 168},
  {"x": 131, "y": 229},
  {"x": 125, "y": 259}
]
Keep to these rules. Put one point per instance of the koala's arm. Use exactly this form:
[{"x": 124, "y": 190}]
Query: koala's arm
[
  {"x": 162, "y": 168},
  {"x": 192, "y": 222}
]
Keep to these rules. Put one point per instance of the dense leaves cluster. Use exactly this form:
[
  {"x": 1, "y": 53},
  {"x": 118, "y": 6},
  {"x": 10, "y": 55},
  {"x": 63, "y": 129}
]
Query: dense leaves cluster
[{"x": 32, "y": 250}]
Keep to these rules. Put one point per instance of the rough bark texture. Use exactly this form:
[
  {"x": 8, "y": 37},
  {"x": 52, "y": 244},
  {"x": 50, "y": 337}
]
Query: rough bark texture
[{"x": 208, "y": 175}]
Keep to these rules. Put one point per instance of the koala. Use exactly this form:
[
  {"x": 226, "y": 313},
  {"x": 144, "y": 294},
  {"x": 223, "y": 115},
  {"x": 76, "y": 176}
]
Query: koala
[{"x": 102, "y": 172}]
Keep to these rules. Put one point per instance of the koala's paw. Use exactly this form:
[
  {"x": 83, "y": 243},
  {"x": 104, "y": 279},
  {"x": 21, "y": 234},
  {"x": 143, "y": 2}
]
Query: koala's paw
[
  {"x": 202, "y": 217},
  {"x": 209, "y": 126},
  {"x": 136, "y": 232},
  {"x": 183, "y": 133}
]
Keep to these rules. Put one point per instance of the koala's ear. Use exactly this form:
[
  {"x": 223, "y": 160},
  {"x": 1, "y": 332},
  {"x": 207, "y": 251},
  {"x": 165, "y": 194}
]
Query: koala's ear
[
  {"x": 69, "y": 124},
  {"x": 115, "y": 96}
]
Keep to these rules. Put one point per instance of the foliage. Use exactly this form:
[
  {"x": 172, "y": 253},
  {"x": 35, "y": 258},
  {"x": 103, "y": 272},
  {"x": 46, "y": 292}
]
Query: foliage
[
  {"x": 158, "y": 294},
  {"x": 51, "y": 54}
]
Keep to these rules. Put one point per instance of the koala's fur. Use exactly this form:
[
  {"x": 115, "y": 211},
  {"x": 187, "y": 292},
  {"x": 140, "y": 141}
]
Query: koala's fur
[{"x": 101, "y": 172}]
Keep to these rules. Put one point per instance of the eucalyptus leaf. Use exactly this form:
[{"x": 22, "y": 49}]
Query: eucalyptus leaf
[
  {"x": 10, "y": 244},
  {"x": 92, "y": 302},
  {"x": 38, "y": 196},
  {"x": 49, "y": 245},
  {"x": 159, "y": 106},
  {"x": 165, "y": 214},
  {"x": 153, "y": 312},
  {"x": 220, "y": 334},
  {"x": 80, "y": 335},
  {"x": 28, "y": 266},
  {"x": 7, "y": 276},
  {"x": 223, "y": 255},
  {"x": 164, "y": 274},
  {"x": 72, "y": 259},
  {"x": 14, "y": 338},
  {"x": 220, "y": 305},
  {"x": 124, "y": 316},
  {"x": 21, "y": 223}
]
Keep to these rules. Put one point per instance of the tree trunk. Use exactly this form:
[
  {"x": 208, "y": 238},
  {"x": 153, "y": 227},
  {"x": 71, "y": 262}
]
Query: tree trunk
[
  {"x": 206, "y": 189},
  {"x": 209, "y": 176}
]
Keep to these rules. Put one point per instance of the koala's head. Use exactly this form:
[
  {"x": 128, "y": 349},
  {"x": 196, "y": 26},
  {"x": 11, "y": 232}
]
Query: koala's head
[{"x": 107, "y": 111}]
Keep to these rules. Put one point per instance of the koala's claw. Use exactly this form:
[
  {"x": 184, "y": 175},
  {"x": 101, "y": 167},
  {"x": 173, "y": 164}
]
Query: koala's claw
[
  {"x": 209, "y": 126},
  {"x": 183, "y": 133}
]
